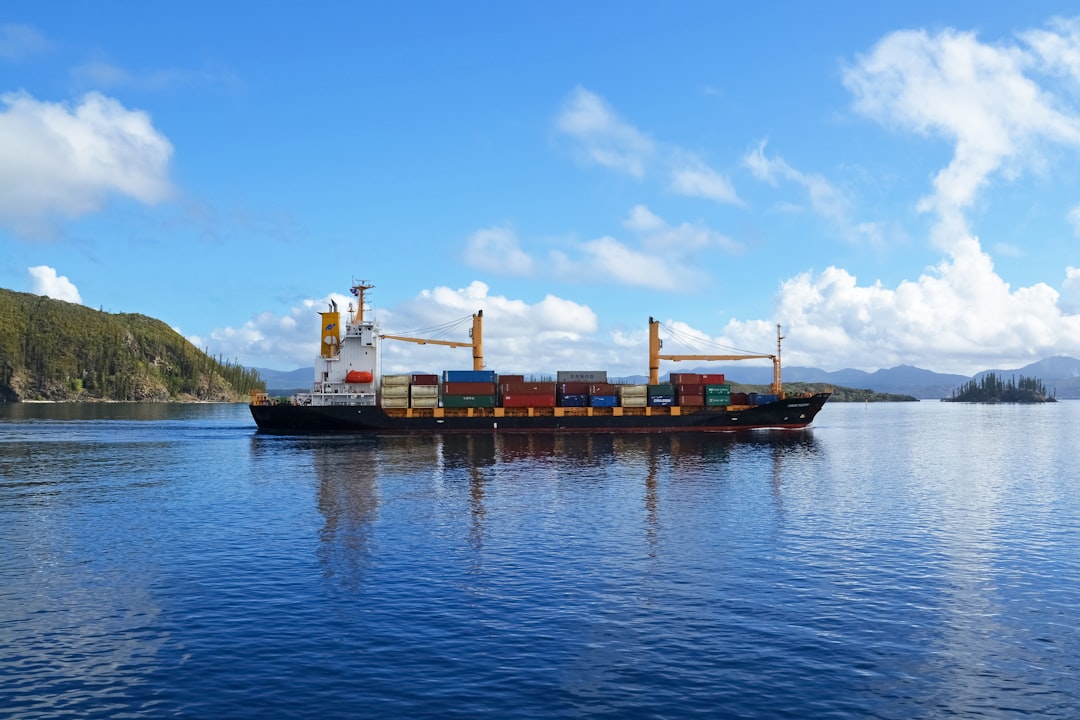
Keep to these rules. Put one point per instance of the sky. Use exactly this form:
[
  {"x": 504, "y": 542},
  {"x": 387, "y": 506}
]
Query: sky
[{"x": 892, "y": 184}]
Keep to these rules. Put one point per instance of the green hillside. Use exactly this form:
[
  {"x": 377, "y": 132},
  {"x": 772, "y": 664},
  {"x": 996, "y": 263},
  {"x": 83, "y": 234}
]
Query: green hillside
[{"x": 55, "y": 350}]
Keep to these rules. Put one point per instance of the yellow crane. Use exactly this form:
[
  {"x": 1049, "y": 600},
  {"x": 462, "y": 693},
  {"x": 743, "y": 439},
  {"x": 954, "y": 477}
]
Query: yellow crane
[
  {"x": 655, "y": 357},
  {"x": 477, "y": 333}
]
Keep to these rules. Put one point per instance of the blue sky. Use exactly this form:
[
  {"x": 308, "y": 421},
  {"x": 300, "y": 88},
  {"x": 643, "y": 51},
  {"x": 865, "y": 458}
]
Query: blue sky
[{"x": 894, "y": 185}]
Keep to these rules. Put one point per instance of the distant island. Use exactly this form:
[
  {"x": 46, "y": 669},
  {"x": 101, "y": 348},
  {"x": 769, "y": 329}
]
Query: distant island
[
  {"x": 64, "y": 352},
  {"x": 990, "y": 388}
]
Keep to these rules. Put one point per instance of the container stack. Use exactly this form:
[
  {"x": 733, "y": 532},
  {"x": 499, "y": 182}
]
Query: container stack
[
  {"x": 689, "y": 392},
  {"x": 395, "y": 391},
  {"x": 469, "y": 388},
  {"x": 661, "y": 395},
  {"x": 515, "y": 391},
  {"x": 633, "y": 395},
  {"x": 573, "y": 386},
  {"x": 424, "y": 391}
]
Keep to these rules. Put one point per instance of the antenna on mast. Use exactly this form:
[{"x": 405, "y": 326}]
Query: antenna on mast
[{"x": 358, "y": 289}]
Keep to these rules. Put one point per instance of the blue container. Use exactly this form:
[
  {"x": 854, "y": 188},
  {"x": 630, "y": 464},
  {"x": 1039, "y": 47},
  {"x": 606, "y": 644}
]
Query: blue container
[
  {"x": 604, "y": 401},
  {"x": 661, "y": 400},
  {"x": 574, "y": 400},
  {"x": 470, "y": 376},
  {"x": 762, "y": 398}
]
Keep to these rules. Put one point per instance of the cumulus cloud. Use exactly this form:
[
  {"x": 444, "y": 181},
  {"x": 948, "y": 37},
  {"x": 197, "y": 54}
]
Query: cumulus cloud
[
  {"x": 1001, "y": 120},
  {"x": 59, "y": 160},
  {"x": 659, "y": 256},
  {"x": 45, "y": 281},
  {"x": 981, "y": 97},
  {"x": 531, "y": 337}
]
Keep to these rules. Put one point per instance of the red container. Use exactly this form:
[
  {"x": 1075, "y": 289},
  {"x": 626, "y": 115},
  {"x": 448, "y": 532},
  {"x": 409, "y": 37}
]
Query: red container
[
  {"x": 419, "y": 379},
  {"x": 524, "y": 388},
  {"x": 574, "y": 388},
  {"x": 528, "y": 400},
  {"x": 712, "y": 379},
  {"x": 685, "y": 379},
  {"x": 685, "y": 390},
  {"x": 511, "y": 378},
  {"x": 692, "y": 400},
  {"x": 740, "y": 399},
  {"x": 601, "y": 389},
  {"x": 468, "y": 388}
]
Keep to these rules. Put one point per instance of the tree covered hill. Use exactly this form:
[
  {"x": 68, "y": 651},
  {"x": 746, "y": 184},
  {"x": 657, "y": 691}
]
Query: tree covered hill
[{"x": 56, "y": 350}]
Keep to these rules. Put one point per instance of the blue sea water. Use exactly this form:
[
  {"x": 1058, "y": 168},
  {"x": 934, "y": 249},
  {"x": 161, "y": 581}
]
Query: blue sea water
[{"x": 895, "y": 561}]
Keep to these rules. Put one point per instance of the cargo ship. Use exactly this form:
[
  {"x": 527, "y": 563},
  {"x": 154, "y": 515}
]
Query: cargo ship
[{"x": 350, "y": 394}]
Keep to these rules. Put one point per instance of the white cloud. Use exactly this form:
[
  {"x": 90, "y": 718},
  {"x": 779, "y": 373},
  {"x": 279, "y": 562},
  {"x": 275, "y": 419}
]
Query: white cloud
[
  {"x": 694, "y": 178},
  {"x": 497, "y": 250},
  {"x": 65, "y": 161},
  {"x": 531, "y": 337},
  {"x": 45, "y": 281},
  {"x": 19, "y": 42},
  {"x": 824, "y": 198},
  {"x": 974, "y": 94},
  {"x": 603, "y": 138}
]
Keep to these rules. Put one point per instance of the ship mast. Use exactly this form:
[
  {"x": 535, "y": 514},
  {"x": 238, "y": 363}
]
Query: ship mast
[
  {"x": 358, "y": 291},
  {"x": 655, "y": 357}
]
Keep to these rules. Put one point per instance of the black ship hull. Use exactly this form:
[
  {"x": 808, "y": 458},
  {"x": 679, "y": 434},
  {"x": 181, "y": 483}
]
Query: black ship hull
[{"x": 789, "y": 413}]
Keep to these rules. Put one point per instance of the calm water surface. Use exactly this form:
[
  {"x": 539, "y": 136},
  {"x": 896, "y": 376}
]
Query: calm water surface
[{"x": 896, "y": 561}]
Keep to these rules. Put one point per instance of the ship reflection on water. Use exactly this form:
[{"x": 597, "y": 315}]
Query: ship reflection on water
[{"x": 401, "y": 487}]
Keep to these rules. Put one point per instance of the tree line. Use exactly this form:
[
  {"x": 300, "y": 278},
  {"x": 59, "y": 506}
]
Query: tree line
[
  {"x": 55, "y": 350},
  {"x": 991, "y": 388}
]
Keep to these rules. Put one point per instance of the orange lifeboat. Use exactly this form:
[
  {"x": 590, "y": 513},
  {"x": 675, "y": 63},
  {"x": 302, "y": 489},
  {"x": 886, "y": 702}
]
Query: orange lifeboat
[{"x": 359, "y": 376}]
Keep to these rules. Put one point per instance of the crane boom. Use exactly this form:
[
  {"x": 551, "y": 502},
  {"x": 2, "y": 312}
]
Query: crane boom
[
  {"x": 655, "y": 357},
  {"x": 476, "y": 343}
]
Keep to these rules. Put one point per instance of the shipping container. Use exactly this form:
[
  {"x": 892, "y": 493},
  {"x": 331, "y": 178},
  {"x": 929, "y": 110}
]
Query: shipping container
[
  {"x": 396, "y": 391},
  {"x": 528, "y": 400},
  {"x": 469, "y": 376},
  {"x": 712, "y": 379},
  {"x": 661, "y": 389},
  {"x": 395, "y": 402},
  {"x": 661, "y": 400},
  {"x": 634, "y": 401},
  {"x": 425, "y": 402},
  {"x": 762, "y": 398},
  {"x": 573, "y": 388},
  {"x": 739, "y": 399},
  {"x": 601, "y": 389},
  {"x": 682, "y": 390},
  {"x": 424, "y": 379},
  {"x": 467, "y": 401},
  {"x": 395, "y": 380},
  {"x": 717, "y": 390},
  {"x": 717, "y": 400},
  {"x": 626, "y": 391},
  {"x": 424, "y": 391},
  {"x": 582, "y": 376},
  {"x": 684, "y": 379},
  {"x": 574, "y": 400},
  {"x": 692, "y": 400},
  {"x": 603, "y": 401},
  {"x": 468, "y": 388},
  {"x": 522, "y": 387},
  {"x": 511, "y": 378}
]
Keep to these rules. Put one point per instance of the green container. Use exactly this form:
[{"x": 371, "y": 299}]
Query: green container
[
  {"x": 717, "y": 400},
  {"x": 467, "y": 401},
  {"x": 661, "y": 389}
]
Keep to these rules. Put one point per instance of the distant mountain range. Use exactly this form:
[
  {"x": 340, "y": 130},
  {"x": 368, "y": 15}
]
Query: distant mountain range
[{"x": 1060, "y": 375}]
